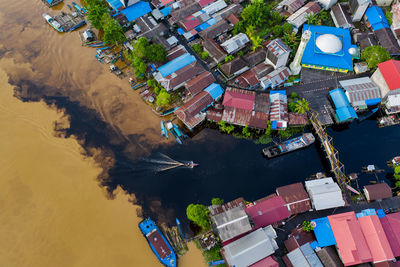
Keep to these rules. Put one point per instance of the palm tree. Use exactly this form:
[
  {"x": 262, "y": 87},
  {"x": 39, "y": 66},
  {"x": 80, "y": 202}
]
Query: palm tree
[
  {"x": 302, "y": 106},
  {"x": 311, "y": 19},
  {"x": 257, "y": 41}
]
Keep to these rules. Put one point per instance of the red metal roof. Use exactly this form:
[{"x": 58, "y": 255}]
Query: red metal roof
[
  {"x": 166, "y": 2},
  {"x": 391, "y": 226},
  {"x": 233, "y": 19},
  {"x": 190, "y": 23},
  {"x": 204, "y": 3},
  {"x": 197, "y": 84},
  {"x": 350, "y": 240},
  {"x": 189, "y": 112},
  {"x": 237, "y": 98},
  {"x": 376, "y": 238},
  {"x": 296, "y": 197},
  {"x": 247, "y": 79},
  {"x": 269, "y": 261},
  {"x": 268, "y": 211},
  {"x": 391, "y": 73}
]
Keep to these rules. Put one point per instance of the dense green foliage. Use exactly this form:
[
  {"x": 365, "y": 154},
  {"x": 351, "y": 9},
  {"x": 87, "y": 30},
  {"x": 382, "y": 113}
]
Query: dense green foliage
[
  {"x": 229, "y": 58},
  {"x": 217, "y": 201},
  {"x": 113, "y": 32},
  {"x": 287, "y": 28},
  {"x": 204, "y": 55},
  {"x": 307, "y": 226},
  {"x": 213, "y": 254},
  {"x": 389, "y": 17},
  {"x": 96, "y": 10},
  {"x": 198, "y": 214},
  {"x": 302, "y": 106},
  {"x": 246, "y": 132},
  {"x": 374, "y": 55},
  {"x": 163, "y": 98},
  {"x": 322, "y": 18},
  {"x": 288, "y": 132},
  {"x": 198, "y": 48},
  {"x": 226, "y": 128}
]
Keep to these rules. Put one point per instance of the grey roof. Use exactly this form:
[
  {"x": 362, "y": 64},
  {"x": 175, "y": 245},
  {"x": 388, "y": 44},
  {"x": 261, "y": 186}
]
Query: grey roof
[
  {"x": 387, "y": 40},
  {"x": 224, "y": 13},
  {"x": 231, "y": 223},
  {"x": 340, "y": 16},
  {"x": 216, "y": 29},
  {"x": 360, "y": 89},
  {"x": 365, "y": 39},
  {"x": 310, "y": 255},
  {"x": 329, "y": 257},
  {"x": 250, "y": 248},
  {"x": 214, "y": 50}
]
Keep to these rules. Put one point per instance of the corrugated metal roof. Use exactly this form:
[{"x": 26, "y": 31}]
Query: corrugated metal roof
[
  {"x": 391, "y": 226},
  {"x": 249, "y": 249},
  {"x": 238, "y": 98},
  {"x": 215, "y": 90},
  {"x": 199, "y": 83},
  {"x": 350, "y": 240},
  {"x": 390, "y": 71},
  {"x": 376, "y": 240},
  {"x": 215, "y": 7},
  {"x": 296, "y": 197},
  {"x": 310, "y": 255},
  {"x": 376, "y": 18},
  {"x": 137, "y": 10},
  {"x": 378, "y": 191},
  {"x": 176, "y": 64},
  {"x": 268, "y": 211},
  {"x": 360, "y": 89},
  {"x": 323, "y": 232}
]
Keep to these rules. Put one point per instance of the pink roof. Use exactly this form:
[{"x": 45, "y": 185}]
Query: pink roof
[
  {"x": 268, "y": 211},
  {"x": 391, "y": 73},
  {"x": 166, "y": 2},
  {"x": 190, "y": 23},
  {"x": 376, "y": 238},
  {"x": 266, "y": 262},
  {"x": 350, "y": 240},
  {"x": 203, "y": 3},
  {"x": 391, "y": 226},
  {"x": 239, "y": 99}
]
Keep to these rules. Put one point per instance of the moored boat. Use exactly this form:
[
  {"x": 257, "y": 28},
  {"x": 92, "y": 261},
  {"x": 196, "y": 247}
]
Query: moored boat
[
  {"x": 52, "y": 22},
  {"x": 290, "y": 145},
  {"x": 164, "y": 131},
  {"x": 158, "y": 243},
  {"x": 394, "y": 162},
  {"x": 191, "y": 164}
]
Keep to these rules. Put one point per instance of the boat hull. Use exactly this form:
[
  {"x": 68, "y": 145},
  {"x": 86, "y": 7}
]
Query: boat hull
[
  {"x": 289, "y": 146},
  {"x": 158, "y": 243}
]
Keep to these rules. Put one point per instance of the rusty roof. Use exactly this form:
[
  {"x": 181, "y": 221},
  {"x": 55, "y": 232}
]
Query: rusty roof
[
  {"x": 214, "y": 49},
  {"x": 378, "y": 191},
  {"x": 296, "y": 197},
  {"x": 197, "y": 84},
  {"x": 189, "y": 113},
  {"x": 217, "y": 209},
  {"x": 216, "y": 29},
  {"x": 297, "y": 119}
]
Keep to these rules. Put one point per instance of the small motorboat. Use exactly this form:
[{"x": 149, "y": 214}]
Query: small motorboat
[
  {"x": 191, "y": 164},
  {"x": 52, "y": 22}
]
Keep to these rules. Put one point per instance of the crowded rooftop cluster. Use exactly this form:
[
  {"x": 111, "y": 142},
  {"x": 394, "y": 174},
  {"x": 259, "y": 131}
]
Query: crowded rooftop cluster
[
  {"x": 263, "y": 64},
  {"x": 310, "y": 225}
]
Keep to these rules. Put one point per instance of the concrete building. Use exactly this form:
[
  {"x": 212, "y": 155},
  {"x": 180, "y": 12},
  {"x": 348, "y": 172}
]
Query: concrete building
[
  {"x": 340, "y": 16},
  {"x": 295, "y": 66},
  {"x": 358, "y": 8},
  {"x": 324, "y": 194},
  {"x": 300, "y": 16},
  {"x": 251, "y": 248},
  {"x": 361, "y": 92},
  {"x": 327, "y": 4},
  {"x": 275, "y": 78},
  {"x": 236, "y": 43},
  {"x": 387, "y": 77},
  {"x": 277, "y": 53}
]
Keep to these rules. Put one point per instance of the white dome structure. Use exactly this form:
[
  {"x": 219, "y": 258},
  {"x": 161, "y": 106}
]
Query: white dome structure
[{"x": 329, "y": 43}]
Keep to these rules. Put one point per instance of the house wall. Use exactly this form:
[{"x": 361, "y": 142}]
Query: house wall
[
  {"x": 359, "y": 12},
  {"x": 384, "y": 2},
  {"x": 378, "y": 79},
  {"x": 282, "y": 60}
]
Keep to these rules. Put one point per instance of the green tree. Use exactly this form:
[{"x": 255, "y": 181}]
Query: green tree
[
  {"x": 302, "y": 106},
  {"x": 374, "y": 55},
  {"x": 277, "y": 30},
  {"x": 287, "y": 28},
  {"x": 156, "y": 53},
  {"x": 163, "y": 98},
  {"x": 96, "y": 10},
  {"x": 198, "y": 214},
  {"x": 113, "y": 32},
  {"x": 389, "y": 17},
  {"x": 238, "y": 28},
  {"x": 140, "y": 48},
  {"x": 397, "y": 184},
  {"x": 397, "y": 173},
  {"x": 152, "y": 83},
  {"x": 157, "y": 90},
  {"x": 224, "y": 127},
  {"x": 256, "y": 13},
  {"x": 257, "y": 42},
  {"x": 312, "y": 19},
  {"x": 292, "y": 106},
  {"x": 198, "y": 48},
  {"x": 246, "y": 132},
  {"x": 217, "y": 201},
  {"x": 294, "y": 96},
  {"x": 204, "y": 55},
  {"x": 229, "y": 58},
  {"x": 307, "y": 226},
  {"x": 276, "y": 16},
  {"x": 139, "y": 66},
  {"x": 292, "y": 40}
]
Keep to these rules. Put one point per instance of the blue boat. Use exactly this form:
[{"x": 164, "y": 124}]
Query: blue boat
[
  {"x": 176, "y": 137},
  {"x": 77, "y": 7},
  {"x": 158, "y": 243},
  {"x": 176, "y": 129},
  {"x": 178, "y": 223},
  {"x": 290, "y": 145},
  {"x": 164, "y": 131}
]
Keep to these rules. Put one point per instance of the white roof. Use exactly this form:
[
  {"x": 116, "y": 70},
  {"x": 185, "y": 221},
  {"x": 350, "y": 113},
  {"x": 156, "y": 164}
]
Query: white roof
[
  {"x": 215, "y": 7},
  {"x": 329, "y": 43},
  {"x": 324, "y": 193},
  {"x": 235, "y": 43},
  {"x": 327, "y": 4},
  {"x": 311, "y": 183},
  {"x": 393, "y": 100},
  {"x": 249, "y": 249}
]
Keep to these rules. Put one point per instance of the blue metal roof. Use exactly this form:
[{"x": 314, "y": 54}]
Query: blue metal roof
[
  {"x": 176, "y": 64},
  {"x": 366, "y": 212},
  {"x": 380, "y": 213},
  {"x": 137, "y": 10},
  {"x": 323, "y": 232},
  {"x": 166, "y": 11},
  {"x": 215, "y": 90},
  {"x": 376, "y": 18},
  {"x": 283, "y": 92},
  {"x": 344, "y": 112},
  {"x": 115, "y": 4},
  {"x": 180, "y": 31},
  {"x": 371, "y": 102},
  {"x": 314, "y": 56},
  {"x": 310, "y": 255}
]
